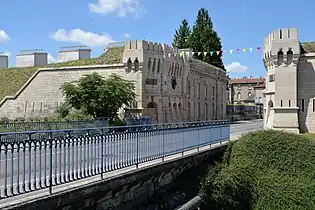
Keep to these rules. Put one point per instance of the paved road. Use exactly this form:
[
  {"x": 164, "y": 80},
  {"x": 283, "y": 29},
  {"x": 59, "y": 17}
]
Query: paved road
[{"x": 75, "y": 158}]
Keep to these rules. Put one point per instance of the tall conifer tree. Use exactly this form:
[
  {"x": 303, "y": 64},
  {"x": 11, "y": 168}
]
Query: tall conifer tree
[
  {"x": 204, "y": 39},
  {"x": 181, "y": 35}
]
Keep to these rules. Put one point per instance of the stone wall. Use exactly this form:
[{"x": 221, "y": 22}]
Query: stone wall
[
  {"x": 42, "y": 93},
  {"x": 306, "y": 92},
  {"x": 163, "y": 186}
]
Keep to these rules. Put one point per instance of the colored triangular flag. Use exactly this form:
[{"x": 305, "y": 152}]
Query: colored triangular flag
[
  {"x": 223, "y": 51},
  {"x": 244, "y": 50},
  {"x": 199, "y": 53},
  {"x": 237, "y": 50},
  {"x": 258, "y": 49},
  {"x": 187, "y": 53},
  {"x": 193, "y": 53},
  {"x": 218, "y": 52},
  {"x": 211, "y": 53},
  {"x": 205, "y": 53},
  {"x": 250, "y": 49},
  {"x": 231, "y": 51},
  {"x": 169, "y": 55},
  {"x": 181, "y": 54}
]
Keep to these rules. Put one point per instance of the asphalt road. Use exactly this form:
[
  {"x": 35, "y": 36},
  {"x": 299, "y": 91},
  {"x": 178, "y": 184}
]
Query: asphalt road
[{"x": 74, "y": 158}]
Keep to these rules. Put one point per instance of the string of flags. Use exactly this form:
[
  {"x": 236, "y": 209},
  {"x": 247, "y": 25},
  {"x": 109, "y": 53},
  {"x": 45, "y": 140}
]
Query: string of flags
[{"x": 211, "y": 53}]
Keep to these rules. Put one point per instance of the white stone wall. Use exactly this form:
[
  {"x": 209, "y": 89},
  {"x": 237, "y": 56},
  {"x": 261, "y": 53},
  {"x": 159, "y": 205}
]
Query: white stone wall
[
  {"x": 43, "y": 94},
  {"x": 68, "y": 55},
  {"x": 152, "y": 69},
  {"x": 32, "y": 59},
  {"x": 306, "y": 92},
  {"x": 160, "y": 65}
]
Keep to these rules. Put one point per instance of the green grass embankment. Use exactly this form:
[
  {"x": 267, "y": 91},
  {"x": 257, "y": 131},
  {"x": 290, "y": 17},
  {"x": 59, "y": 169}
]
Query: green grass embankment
[
  {"x": 12, "y": 79},
  {"x": 264, "y": 170}
]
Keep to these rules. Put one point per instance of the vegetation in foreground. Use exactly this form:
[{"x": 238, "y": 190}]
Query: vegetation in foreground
[
  {"x": 264, "y": 170},
  {"x": 98, "y": 97}
]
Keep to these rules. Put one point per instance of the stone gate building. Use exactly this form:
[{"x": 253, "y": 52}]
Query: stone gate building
[
  {"x": 170, "y": 87},
  {"x": 289, "y": 98}
]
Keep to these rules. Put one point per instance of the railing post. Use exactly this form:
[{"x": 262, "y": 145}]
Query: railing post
[
  {"x": 163, "y": 145},
  {"x": 102, "y": 155},
  {"x": 198, "y": 139},
  {"x": 50, "y": 160},
  {"x": 137, "y": 163}
]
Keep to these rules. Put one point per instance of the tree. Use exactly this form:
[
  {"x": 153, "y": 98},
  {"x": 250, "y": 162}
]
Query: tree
[
  {"x": 181, "y": 35},
  {"x": 204, "y": 39},
  {"x": 99, "y": 97}
]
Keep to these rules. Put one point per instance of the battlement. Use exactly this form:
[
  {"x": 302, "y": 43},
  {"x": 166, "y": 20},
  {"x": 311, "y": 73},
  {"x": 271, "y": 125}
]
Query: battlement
[
  {"x": 281, "y": 34},
  {"x": 148, "y": 45}
]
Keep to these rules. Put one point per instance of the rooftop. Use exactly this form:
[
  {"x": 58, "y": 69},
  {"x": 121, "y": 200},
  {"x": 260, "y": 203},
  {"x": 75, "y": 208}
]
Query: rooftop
[
  {"x": 247, "y": 80},
  {"x": 12, "y": 79}
]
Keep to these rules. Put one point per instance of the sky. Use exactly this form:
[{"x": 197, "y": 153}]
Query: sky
[{"x": 49, "y": 25}]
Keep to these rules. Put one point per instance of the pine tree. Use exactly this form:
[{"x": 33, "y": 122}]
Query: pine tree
[
  {"x": 204, "y": 39},
  {"x": 181, "y": 35}
]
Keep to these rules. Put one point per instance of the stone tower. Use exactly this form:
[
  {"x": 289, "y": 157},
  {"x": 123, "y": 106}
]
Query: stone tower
[{"x": 281, "y": 56}]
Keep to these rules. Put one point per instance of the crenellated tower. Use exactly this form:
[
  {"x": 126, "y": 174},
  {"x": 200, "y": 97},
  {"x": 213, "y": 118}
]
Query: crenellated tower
[{"x": 281, "y": 56}]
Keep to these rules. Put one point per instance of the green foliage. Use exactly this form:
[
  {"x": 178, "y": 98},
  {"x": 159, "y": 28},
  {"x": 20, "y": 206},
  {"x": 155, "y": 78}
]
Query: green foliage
[
  {"x": 99, "y": 97},
  {"x": 12, "y": 79},
  {"x": 204, "y": 38},
  {"x": 308, "y": 47},
  {"x": 181, "y": 35},
  {"x": 264, "y": 170}
]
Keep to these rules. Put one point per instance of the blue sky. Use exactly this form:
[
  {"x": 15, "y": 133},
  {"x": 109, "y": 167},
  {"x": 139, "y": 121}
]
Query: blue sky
[{"x": 49, "y": 25}]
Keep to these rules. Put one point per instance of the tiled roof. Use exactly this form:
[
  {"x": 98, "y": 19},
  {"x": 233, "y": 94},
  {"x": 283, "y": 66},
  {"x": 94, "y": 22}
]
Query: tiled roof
[{"x": 247, "y": 80}]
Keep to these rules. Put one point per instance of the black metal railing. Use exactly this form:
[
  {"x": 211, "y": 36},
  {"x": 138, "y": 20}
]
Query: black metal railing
[{"x": 29, "y": 163}]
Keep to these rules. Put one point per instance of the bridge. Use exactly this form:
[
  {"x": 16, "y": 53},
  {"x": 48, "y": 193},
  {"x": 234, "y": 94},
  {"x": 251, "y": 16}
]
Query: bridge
[{"x": 46, "y": 169}]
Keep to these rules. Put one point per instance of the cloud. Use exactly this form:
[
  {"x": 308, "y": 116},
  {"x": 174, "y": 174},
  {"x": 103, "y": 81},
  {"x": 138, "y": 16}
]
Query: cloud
[
  {"x": 51, "y": 59},
  {"x": 6, "y": 53},
  {"x": 4, "y": 37},
  {"x": 121, "y": 7},
  {"x": 236, "y": 67},
  {"x": 126, "y": 36},
  {"x": 82, "y": 37}
]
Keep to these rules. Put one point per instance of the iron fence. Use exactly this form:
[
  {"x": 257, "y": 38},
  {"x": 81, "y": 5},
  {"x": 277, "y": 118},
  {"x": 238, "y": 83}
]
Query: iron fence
[
  {"x": 6, "y": 127},
  {"x": 32, "y": 164}
]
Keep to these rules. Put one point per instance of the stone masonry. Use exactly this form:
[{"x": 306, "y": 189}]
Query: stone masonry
[
  {"x": 289, "y": 98},
  {"x": 148, "y": 188},
  {"x": 169, "y": 87}
]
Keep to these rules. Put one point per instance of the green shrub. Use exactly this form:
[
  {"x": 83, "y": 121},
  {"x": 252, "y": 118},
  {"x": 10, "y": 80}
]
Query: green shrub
[{"x": 264, "y": 170}]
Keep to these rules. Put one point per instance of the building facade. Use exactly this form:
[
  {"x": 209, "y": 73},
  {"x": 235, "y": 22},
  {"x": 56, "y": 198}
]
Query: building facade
[
  {"x": 245, "y": 98},
  {"x": 248, "y": 90},
  {"x": 171, "y": 86},
  {"x": 289, "y": 98},
  {"x": 4, "y": 61}
]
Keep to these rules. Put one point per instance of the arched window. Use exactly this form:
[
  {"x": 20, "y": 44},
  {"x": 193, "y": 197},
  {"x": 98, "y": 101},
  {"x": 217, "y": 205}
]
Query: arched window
[
  {"x": 151, "y": 105},
  {"x": 149, "y": 65},
  {"x": 280, "y": 57},
  {"x": 289, "y": 56},
  {"x": 270, "y": 104},
  {"x": 129, "y": 64},
  {"x": 153, "y": 66},
  {"x": 206, "y": 111},
  {"x": 158, "y": 66},
  {"x": 238, "y": 96},
  {"x": 136, "y": 62}
]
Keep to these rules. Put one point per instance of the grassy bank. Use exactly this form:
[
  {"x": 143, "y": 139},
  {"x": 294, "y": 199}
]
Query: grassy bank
[{"x": 265, "y": 170}]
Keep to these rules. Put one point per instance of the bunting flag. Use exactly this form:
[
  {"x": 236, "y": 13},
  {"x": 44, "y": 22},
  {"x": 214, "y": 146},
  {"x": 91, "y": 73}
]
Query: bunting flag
[{"x": 216, "y": 52}]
